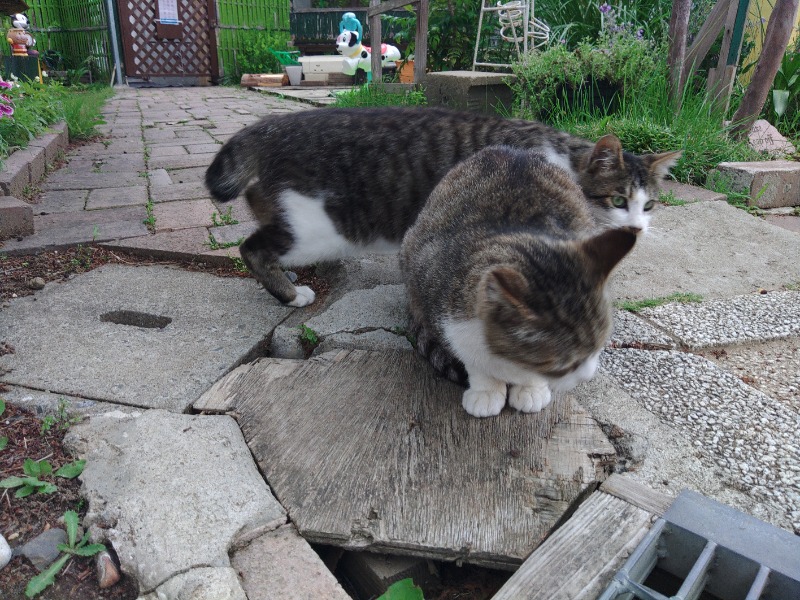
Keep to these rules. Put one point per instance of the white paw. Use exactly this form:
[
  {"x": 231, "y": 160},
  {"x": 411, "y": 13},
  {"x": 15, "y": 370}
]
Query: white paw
[
  {"x": 482, "y": 403},
  {"x": 529, "y": 398},
  {"x": 305, "y": 296}
]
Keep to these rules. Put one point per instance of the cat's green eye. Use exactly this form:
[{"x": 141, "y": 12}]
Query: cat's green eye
[
  {"x": 649, "y": 205},
  {"x": 619, "y": 202}
]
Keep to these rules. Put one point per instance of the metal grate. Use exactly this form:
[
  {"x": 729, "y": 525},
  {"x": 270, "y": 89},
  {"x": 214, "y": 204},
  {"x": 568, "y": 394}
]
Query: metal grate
[{"x": 702, "y": 549}]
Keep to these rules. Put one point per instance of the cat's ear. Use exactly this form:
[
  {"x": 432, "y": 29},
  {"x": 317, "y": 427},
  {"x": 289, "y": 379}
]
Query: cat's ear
[
  {"x": 605, "y": 250},
  {"x": 660, "y": 164},
  {"x": 606, "y": 154},
  {"x": 505, "y": 286}
]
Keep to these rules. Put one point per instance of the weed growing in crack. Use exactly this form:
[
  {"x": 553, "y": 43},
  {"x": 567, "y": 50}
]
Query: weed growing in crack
[
  {"x": 226, "y": 218},
  {"x": 215, "y": 245},
  {"x": 150, "y": 221},
  {"x": 637, "y": 305}
]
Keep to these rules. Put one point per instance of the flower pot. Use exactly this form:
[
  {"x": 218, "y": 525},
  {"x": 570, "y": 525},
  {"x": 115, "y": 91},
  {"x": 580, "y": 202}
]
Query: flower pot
[
  {"x": 295, "y": 75},
  {"x": 406, "y": 72}
]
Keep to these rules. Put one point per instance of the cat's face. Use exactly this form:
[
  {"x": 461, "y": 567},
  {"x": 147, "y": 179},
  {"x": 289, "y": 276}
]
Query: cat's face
[
  {"x": 553, "y": 317},
  {"x": 622, "y": 188}
]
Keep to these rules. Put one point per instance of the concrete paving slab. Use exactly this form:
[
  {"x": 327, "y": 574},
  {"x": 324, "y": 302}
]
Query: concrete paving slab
[
  {"x": 179, "y": 191},
  {"x": 87, "y": 181},
  {"x": 171, "y": 492},
  {"x": 188, "y": 175},
  {"x": 181, "y": 244},
  {"x": 751, "y": 437},
  {"x": 691, "y": 193},
  {"x": 751, "y": 318},
  {"x": 65, "y": 229},
  {"x": 228, "y": 234},
  {"x": 171, "y": 216},
  {"x": 182, "y": 162},
  {"x": 59, "y": 201},
  {"x": 174, "y": 150},
  {"x": 159, "y": 177},
  {"x": 204, "y": 583},
  {"x": 707, "y": 248},
  {"x": 281, "y": 564},
  {"x": 113, "y": 197},
  {"x": 203, "y": 148},
  {"x": 633, "y": 332},
  {"x": 787, "y": 222},
  {"x": 215, "y": 324}
]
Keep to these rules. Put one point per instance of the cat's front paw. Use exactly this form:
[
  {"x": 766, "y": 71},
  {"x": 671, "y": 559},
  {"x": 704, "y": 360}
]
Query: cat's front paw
[
  {"x": 305, "y": 296},
  {"x": 482, "y": 403},
  {"x": 529, "y": 398}
]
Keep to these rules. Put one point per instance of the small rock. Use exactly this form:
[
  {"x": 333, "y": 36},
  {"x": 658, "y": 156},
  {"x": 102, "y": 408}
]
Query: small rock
[
  {"x": 43, "y": 550},
  {"x": 107, "y": 570},
  {"x": 5, "y": 552},
  {"x": 37, "y": 283}
]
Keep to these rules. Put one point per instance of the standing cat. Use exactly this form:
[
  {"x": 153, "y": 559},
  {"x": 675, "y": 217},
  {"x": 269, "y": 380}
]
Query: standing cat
[
  {"x": 334, "y": 182},
  {"x": 506, "y": 273}
]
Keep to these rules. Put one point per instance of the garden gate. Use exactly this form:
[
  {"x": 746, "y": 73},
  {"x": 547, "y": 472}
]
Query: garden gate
[{"x": 157, "y": 44}]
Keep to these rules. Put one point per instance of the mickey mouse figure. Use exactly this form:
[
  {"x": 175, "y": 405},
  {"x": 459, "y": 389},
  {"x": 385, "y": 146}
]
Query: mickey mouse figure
[{"x": 21, "y": 41}]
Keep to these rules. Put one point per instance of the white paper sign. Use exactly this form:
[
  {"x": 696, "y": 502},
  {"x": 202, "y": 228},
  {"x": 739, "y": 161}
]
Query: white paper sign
[{"x": 168, "y": 11}]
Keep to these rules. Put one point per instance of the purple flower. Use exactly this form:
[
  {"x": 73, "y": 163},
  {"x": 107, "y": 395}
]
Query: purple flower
[
  {"x": 6, "y": 84},
  {"x": 6, "y": 110},
  {"x": 640, "y": 34},
  {"x": 563, "y": 40},
  {"x": 605, "y": 8}
]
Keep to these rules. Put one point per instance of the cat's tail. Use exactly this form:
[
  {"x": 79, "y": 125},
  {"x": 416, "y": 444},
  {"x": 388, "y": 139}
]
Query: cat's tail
[
  {"x": 438, "y": 355},
  {"x": 232, "y": 169}
]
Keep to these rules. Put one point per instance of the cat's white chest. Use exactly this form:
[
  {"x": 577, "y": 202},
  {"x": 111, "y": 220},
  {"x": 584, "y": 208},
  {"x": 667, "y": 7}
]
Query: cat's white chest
[{"x": 315, "y": 235}]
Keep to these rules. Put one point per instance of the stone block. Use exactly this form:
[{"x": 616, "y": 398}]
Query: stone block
[
  {"x": 51, "y": 144},
  {"x": 770, "y": 184},
  {"x": 16, "y": 217},
  {"x": 470, "y": 90},
  {"x": 371, "y": 574},
  {"x": 765, "y": 138},
  {"x": 15, "y": 174},
  {"x": 690, "y": 193},
  {"x": 37, "y": 161}
]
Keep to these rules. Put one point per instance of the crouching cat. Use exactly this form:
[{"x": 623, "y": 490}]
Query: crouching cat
[
  {"x": 506, "y": 272},
  {"x": 336, "y": 182}
]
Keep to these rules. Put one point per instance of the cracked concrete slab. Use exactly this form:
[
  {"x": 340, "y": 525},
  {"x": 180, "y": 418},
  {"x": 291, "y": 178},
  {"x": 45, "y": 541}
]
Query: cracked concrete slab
[
  {"x": 749, "y": 318},
  {"x": 215, "y": 324},
  {"x": 707, "y": 248},
  {"x": 171, "y": 492},
  {"x": 204, "y": 583},
  {"x": 632, "y": 332}
]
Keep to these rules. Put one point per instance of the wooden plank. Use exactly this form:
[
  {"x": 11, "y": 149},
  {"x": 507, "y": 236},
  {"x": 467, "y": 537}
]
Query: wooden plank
[
  {"x": 374, "y": 450},
  {"x": 375, "y": 40},
  {"x": 705, "y": 38},
  {"x": 636, "y": 493},
  {"x": 421, "y": 44},
  {"x": 384, "y": 7},
  {"x": 578, "y": 561}
]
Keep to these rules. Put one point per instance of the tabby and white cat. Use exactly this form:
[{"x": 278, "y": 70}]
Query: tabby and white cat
[
  {"x": 506, "y": 273},
  {"x": 336, "y": 182}
]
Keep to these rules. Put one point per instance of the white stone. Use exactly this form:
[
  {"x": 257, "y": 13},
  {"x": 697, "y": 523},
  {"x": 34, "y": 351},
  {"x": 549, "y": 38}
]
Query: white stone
[{"x": 5, "y": 552}]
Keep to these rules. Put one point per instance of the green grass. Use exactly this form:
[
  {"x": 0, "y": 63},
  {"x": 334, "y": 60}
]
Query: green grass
[
  {"x": 670, "y": 199},
  {"x": 371, "y": 95},
  {"x": 82, "y": 110},
  {"x": 637, "y": 305}
]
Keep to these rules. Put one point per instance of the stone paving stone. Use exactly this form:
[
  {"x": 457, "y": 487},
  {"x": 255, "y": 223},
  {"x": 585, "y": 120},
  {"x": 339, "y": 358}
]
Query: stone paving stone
[
  {"x": 111, "y": 197},
  {"x": 181, "y": 244},
  {"x": 788, "y": 222},
  {"x": 83, "y": 181},
  {"x": 128, "y": 163},
  {"x": 159, "y": 177},
  {"x": 182, "y": 162},
  {"x": 227, "y": 234},
  {"x": 15, "y": 175},
  {"x": 215, "y": 324},
  {"x": 769, "y": 183},
  {"x": 126, "y": 144},
  {"x": 171, "y": 216},
  {"x": 157, "y": 151},
  {"x": 147, "y": 482},
  {"x": 690, "y": 193},
  {"x": 203, "y": 583},
  {"x": 66, "y": 229},
  {"x": 203, "y": 148},
  {"x": 756, "y": 317},
  {"x": 751, "y": 437},
  {"x": 60, "y": 201},
  {"x": 281, "y": 564},
  {"x": 179, "y": 191},
  {"x": 159, "y": 134},
  {"x": 194, "y": 174},
  {"x": 223, "y": 137},
  {"x": 16, "y": 217}
]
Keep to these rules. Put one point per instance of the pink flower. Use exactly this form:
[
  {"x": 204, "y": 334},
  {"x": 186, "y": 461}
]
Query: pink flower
[
  {"x": 6, "y": 110},
  {"x": 6, "y": 84}
]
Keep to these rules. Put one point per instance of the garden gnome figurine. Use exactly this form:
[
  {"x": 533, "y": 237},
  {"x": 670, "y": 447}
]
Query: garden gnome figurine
[
  {"x": 350, "y": 23},
  {"x": 21, "y": 41}
]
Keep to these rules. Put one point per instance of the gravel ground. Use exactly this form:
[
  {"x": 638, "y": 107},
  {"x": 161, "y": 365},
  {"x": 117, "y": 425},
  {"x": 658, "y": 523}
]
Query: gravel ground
[{"x": 750, "y": 435}]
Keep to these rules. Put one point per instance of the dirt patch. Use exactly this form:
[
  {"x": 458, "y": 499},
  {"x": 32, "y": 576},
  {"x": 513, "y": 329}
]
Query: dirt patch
[{"x": 22, "y": 519}]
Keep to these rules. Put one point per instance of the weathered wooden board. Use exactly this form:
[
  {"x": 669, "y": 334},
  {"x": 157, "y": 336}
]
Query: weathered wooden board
[
  {"x": 374, "y": 450},
  {"x": 578, "y": 561}
]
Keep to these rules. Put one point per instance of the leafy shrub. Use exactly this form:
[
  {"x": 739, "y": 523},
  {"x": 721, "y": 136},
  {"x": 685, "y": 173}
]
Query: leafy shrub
[{"x": 254, "y": 54}]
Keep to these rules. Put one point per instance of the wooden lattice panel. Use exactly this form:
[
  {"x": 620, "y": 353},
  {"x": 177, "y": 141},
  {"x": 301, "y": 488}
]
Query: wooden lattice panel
[{"x": 148, "y": 55}]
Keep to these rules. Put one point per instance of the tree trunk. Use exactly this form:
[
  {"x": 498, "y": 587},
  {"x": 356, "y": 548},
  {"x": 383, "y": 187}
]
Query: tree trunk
[
  {"x": 678, "y": 28},
  {"x": 779, "y": 31}
]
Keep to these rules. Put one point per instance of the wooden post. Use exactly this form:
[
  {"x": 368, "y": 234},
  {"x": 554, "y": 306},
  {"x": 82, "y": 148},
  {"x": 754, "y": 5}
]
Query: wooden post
[
  {"x": 375, "y": 40},
  {"x": 678, "y": 29},
  {"x": 720, "y": 80},
  {"x": 421, "y": 44},
  {"x": 705, "y": 38}
]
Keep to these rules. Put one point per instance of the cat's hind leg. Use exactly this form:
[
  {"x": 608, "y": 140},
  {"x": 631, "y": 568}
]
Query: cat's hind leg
[
  {"x": 485, "y": 397},
  {"x": 531, "y": 397},
  {"x": 262, "y": 263}
]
